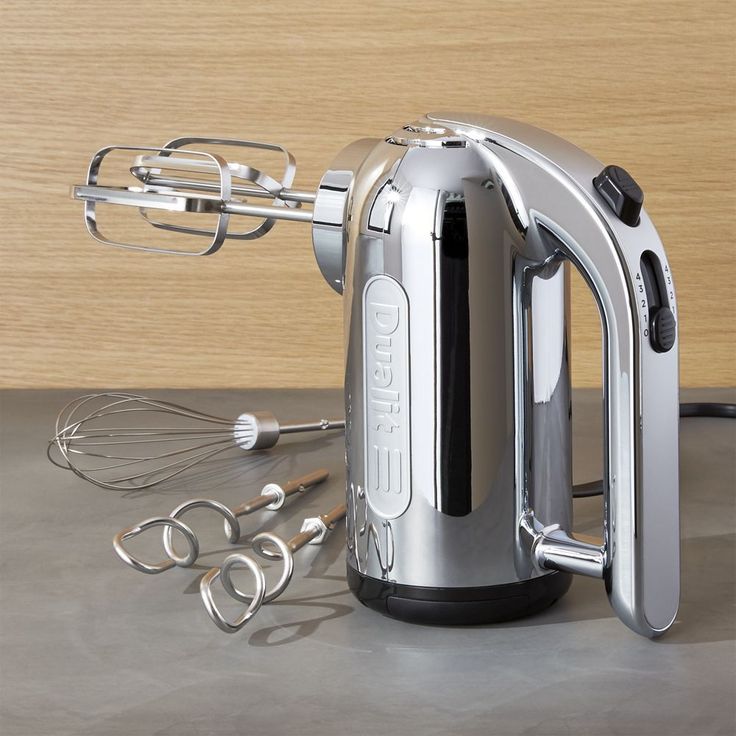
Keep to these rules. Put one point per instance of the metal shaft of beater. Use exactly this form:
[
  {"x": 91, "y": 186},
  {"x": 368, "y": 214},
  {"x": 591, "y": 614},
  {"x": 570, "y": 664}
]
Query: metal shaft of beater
[
  {"x": 275, "y": 494},
  {"x": 169, "y": 200},
  {"x": 288, "y": 195},
  {"x": 269, "y": 211},
  {"x": 315, "y": 529}
]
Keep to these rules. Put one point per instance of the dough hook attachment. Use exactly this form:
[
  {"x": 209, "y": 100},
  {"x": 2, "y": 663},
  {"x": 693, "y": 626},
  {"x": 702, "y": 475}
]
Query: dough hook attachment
[
  {"x": 314, "y": 530},
  {"x": 272, "y": 497},
  {"x": 254, "y": 602},
  {"x": 174, "y": 558}
]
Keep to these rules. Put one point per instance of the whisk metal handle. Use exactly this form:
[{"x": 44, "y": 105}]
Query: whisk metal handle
[
  {"x": 259, "y": 430},
  {"x": 322, "y": 424}
]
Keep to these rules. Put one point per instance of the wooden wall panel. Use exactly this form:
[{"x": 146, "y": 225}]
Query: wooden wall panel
[{"x": 649, "y": 85}]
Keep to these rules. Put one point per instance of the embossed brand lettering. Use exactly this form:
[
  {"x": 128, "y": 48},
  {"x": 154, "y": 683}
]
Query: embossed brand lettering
[
  {"x": 386, "y": 385},
  {"x": 384, "y": 401}
]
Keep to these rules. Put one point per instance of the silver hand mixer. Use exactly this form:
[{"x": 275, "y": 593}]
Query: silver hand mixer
[
  {"x": 451, "y": 241},
  {"x": 115, "y": 440}
]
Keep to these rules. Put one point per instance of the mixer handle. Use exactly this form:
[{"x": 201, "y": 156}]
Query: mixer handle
[
  {"x": 624, "y": 264},
  {"x": 639, "y": 558}
]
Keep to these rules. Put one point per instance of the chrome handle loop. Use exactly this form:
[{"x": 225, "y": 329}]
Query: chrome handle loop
[
  {"x": 285, "y": 554},
  {"x": 231, "y": 524},
  {"x": 256, "y": 600},
  {"x": 175, "y": 559}
]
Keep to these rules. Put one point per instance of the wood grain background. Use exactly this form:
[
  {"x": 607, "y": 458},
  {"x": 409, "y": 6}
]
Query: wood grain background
[{"x": 648, "y": 85}]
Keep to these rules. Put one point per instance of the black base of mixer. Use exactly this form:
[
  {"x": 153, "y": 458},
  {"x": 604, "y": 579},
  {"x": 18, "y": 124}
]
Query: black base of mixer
[{"x": 459, "y": 606}]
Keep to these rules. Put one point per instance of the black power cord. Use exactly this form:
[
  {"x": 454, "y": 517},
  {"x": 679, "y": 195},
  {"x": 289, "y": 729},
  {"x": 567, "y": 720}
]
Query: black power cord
[
  {"x": 719, "y": 411},
  {"x": 700, "y": 409}
]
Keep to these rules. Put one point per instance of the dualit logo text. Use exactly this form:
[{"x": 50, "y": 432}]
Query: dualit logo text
[
  {"x": 383, "y": 395},
  {"x": 386, "y": 396}
]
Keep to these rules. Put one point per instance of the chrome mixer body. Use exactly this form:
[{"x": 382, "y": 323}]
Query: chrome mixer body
[
  {"x": 439, "y": 268},
  {"x": 459, "y": 234}
]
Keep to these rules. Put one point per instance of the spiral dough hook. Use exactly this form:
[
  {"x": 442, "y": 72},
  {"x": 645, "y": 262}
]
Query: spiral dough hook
[
  {"x": 272, "y": 497},
  {"x": 314, "y": 530}
]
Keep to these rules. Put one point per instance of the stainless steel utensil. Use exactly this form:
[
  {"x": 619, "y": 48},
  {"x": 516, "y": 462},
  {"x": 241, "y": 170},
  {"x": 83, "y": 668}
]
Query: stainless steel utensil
[
  {"x": 174, "y": 559},
  {"x": 125, "y": 441},
  {"x": 272, "y": 497},
  {"x": 314, "y": 530},
  {"x": 180, "y": 180}
]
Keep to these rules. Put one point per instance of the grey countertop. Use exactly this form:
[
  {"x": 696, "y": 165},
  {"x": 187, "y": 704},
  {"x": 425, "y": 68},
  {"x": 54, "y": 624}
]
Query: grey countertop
[{"x": 89, "y": 646}]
